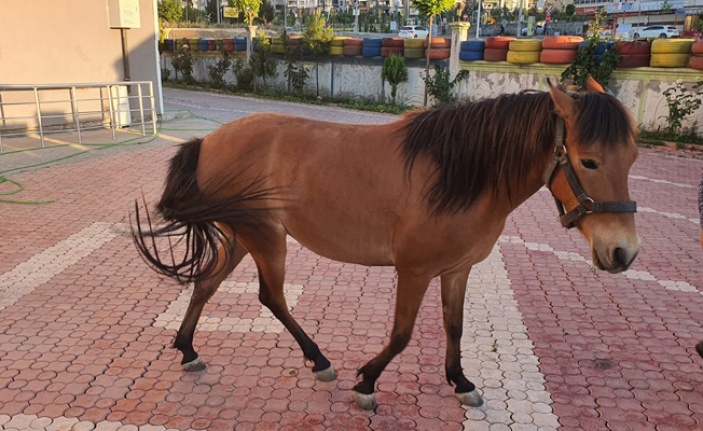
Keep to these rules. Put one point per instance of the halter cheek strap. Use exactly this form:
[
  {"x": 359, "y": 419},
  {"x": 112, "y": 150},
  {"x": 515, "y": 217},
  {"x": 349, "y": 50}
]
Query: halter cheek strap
[{"x": 586, "y": 204}]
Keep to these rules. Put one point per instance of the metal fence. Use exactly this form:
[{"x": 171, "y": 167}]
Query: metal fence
[{"x": 60, "y": 108}]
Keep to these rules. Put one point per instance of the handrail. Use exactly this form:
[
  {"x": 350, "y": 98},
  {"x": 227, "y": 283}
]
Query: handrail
[{"x": 127, "y": 103}]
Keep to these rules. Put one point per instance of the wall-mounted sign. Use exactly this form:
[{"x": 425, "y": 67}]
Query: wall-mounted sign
[{"x": 123, "y": 13}]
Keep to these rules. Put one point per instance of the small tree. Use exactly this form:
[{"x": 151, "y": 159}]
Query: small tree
[
  {"x": 681, "y": 103},
  {"x": 183, "y": 62},
  {"x": 430, "y": 8},
  {"x": 395, "y": 72},
  {"x": 295, "y": 71},
  {"x": 170, "y": 11},
  {"x": 250, "y": 9},
  {"x": 218, "y": 70},
  {"x": 441, "y": 87},
  {"x": 260, "y": 62},
  {"x": 316, "y": 39}
]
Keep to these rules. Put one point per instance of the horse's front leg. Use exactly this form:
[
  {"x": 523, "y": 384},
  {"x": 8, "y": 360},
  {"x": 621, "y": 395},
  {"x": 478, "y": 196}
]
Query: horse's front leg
[
  {"x": 202, "y": 292},
  {"x": 453, "y": 294},
  {"x": 411, "y": 290}
]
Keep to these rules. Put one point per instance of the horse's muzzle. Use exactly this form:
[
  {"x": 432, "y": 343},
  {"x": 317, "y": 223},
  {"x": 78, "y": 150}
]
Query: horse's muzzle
[{"x": 616, "y": 260}]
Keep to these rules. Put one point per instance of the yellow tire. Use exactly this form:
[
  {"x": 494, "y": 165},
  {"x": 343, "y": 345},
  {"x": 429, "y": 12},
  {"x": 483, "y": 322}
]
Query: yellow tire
[
  {"x": 522, "y": 57},
  {"x": 414, "y": 43},
  {"x": 336, "y": 50},
  {"x": 410, "y": 53},
  {"x": 338, "y": 41},
  {"x": 277, "y": 48},
  {"x": 525, "y": 45},
  {"x": 669, "y": 60},
  {"x": 671, "y": 46}
]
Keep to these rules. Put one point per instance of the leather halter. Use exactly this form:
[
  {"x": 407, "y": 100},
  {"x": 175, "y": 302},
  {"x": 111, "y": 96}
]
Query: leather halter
[{"x": 587, "y": 205}]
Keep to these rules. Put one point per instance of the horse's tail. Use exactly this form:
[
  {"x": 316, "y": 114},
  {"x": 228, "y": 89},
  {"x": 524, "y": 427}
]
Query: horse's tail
[{"x": 195, "y": 220}]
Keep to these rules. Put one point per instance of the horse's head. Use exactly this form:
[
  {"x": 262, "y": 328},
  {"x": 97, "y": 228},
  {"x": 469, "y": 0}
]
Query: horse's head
[{"x": 594, "y": 150}]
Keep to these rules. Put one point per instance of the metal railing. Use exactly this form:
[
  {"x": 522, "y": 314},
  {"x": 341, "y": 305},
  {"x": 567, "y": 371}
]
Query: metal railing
[{"x": 46, "y": 108}]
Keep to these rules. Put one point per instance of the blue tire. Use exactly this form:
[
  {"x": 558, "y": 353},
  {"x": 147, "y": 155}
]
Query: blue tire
[
  {"x": 371, "y": 52},
  {"x": 470, "y": 55},
  {"x": 472, "y": 46},
  {"x": 372, "y": 43}
]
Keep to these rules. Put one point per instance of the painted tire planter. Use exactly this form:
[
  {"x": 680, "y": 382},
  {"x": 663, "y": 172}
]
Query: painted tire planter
[
  {"x": 437, "y": 42},
  {"x": 373, "y": 51},
  {"x": 636, "y": 47},
  {"x": 413, "y": 43},
  {"x": 495, "y": 54},
  {"x": 372, "y": 43},
  {"x": 438, "y": 53},
  {"x": 470, "y": 55},
  {"x": 351, "y": 50},
  {"x": 499, "y": 42},
  {"x": 472, "y": 46},
  {"x": 353, "y": 42},
  {"x": 526, "y": 45},
  {"x": 697, "y": 48},
  {"x": 671, "y": 46},
  {"x": 523, "y": 57},
  {"x": 633, "y": 60},
  {"x": 393, "y": 42},
  {"x": 669, "y": 60},
  {"x": 557, "y": 56},
  {"x": 338, "y": 41},
  {"x": 414, "y": 53},
  {"x": 336, "y": 50},
  {"x": 387, "y": 51},
  {"x": 561, "y": 42},
  {"x": 696, "y": 62}
]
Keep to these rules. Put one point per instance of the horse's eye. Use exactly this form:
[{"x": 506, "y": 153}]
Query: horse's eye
[{"x": 589, "y": 164}]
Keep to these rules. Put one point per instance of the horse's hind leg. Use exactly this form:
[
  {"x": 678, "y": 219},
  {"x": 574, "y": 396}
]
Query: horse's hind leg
[
  {"x": 202, "y": 292},
  {"x": 411, "y": 290},
  {"x": 453, "y": 293},
  {"x": 269, "y": 252}
]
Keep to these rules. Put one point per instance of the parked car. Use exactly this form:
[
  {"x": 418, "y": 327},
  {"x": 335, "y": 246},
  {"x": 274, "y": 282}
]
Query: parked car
[
  {"x": 413, "y": 32},
  {"x": 539, "y": 29},
  {"x": 660, "y": 31}
]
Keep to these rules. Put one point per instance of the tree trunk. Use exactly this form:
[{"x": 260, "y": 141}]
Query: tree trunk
[{"x": 427, "y": 61}]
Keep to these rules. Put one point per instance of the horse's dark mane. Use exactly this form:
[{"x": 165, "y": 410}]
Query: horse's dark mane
[{"x": 493, "y": 144}]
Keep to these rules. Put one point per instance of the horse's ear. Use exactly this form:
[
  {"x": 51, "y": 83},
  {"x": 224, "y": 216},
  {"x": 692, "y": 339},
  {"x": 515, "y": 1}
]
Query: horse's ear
[
  {"x": 563, "y": 103},
  {"x": 593, "y": 85}
]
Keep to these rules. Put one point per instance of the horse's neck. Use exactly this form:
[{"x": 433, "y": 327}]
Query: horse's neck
[{"x": 529, "y": 186}]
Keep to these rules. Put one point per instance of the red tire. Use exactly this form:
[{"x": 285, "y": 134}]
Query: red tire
[
  {"x": 495, "y": 54},
  {"x": 392, "y": 42},
  {"x": 561, "y": 42},
  {"x": 351, "y": 50},
  {"x": 636, "y": 47},
  {"x": 387, "y": 51},
  {"x": 353, "y": 42},
  {"x": 696, "y": 62},
  {"x": 634, "y": 60},
  {"x": 438, "y": 53},
  {"x": 697, "y": 48},
  {"x": 557, "y": 56},
  {"x": 498, "y": 42},
  {"x": 438, "y": 42}
]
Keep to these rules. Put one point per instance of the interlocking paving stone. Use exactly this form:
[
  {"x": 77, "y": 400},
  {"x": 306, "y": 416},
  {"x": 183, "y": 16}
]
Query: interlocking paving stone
[{"x": 86, "y": 327}]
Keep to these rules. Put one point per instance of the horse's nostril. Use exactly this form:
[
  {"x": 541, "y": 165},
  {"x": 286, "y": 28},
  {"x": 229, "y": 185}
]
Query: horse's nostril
[{"x": 619, "y": 257}]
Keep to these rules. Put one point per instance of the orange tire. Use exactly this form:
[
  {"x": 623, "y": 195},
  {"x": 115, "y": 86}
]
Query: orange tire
[
  {"x": 636, "y": 47},
  {"x": 387, "y": 51},
  {"x": 633, "y": 60},
  {"x": 351, "y": 50},
  {"x": 495, "y": 54},
  {"x": 438, "y": 42},
  {"x": 697, "y": 48},
  {"x": 696, "y": 62},
  {"x": 557, "y": 56},
  {"x": 438, "y": 53},
  {"x": 353, "y": 42},
  {"x": 498, "y": 42},
  {"x": 396, "y": 42},
  {"x": 561, "y": 42}
]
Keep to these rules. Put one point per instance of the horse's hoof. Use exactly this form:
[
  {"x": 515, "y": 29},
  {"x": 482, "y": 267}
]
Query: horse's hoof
[
  {"x": 365, "y": 401},
  {"x": 326, "y": 375},
  {"x": 196, "y": 364},
  {"x": 471, "y": 399}
]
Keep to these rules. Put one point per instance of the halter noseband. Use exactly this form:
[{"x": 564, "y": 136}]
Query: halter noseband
[{"x": 587, "y": 204}]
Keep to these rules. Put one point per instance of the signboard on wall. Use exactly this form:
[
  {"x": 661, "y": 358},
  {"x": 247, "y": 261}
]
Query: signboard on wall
[
  {"x": 229, "y": 12},
  {"x": 123, "y": 13}
]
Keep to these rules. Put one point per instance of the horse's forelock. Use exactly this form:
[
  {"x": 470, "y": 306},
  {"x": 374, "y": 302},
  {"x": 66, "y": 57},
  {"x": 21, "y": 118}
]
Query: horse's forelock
[{"x": 604, "y": 119}]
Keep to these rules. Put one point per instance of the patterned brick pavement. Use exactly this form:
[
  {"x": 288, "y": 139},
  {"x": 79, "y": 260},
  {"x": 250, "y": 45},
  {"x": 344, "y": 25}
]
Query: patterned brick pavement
[{"x": 86, "y": 327}]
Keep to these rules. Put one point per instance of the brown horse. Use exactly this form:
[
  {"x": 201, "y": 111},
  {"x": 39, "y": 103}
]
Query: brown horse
[{"x": 428, "y": 194}]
